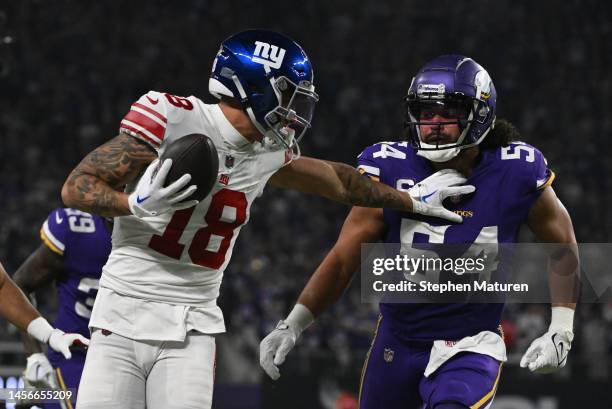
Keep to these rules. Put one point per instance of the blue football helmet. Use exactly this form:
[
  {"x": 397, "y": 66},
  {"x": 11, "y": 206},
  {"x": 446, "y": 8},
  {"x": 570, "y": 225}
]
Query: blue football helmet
[
  {"x": 271, "y": 76},
  {"x": 456, "y": 87}
]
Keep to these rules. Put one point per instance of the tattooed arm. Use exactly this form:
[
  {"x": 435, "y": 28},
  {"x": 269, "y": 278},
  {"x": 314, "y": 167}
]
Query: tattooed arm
[
  {"x": 339, "y": 182},
  {"x": 94, "y": 185}
]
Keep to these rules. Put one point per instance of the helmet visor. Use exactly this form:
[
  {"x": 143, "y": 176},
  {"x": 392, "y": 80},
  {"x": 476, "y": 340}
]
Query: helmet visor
[{"x": 431, "y": 118}]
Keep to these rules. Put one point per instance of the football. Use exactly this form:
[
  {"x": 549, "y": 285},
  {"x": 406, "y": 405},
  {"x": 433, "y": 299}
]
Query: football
[{"x": 194, "y": 154}]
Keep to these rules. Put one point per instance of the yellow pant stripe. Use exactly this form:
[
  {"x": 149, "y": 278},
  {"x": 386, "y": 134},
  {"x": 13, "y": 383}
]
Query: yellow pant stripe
[
  {"x": 489, "y": 395},
  {"x": 365, "y": 364},
  {"x": 60, "y": 379}
]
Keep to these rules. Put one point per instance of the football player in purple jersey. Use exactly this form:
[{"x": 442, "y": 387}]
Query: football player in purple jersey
[
  {"x": 75, "y": 245},
  {"x": 443, "y": 356},
  {"x": 156, "y": 312}
]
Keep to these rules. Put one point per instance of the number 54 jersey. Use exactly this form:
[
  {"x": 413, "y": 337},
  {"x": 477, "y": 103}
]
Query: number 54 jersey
[
  {"x": 164, "y": 272},
  {"x": 508, "y": 181}
]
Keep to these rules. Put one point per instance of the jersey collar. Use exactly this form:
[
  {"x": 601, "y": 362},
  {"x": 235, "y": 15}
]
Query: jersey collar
[{"x": 228, "y": 132}]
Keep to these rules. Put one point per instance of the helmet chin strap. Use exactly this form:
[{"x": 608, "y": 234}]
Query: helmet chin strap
[
  {"x": 285, "y": 137},
  {"x": 439, "y": 155}
]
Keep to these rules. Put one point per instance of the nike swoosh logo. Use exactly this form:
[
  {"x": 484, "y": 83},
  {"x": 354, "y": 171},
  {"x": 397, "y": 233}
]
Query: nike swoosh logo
[
  {"x": 153, "y": 101},
  {"x": 424, "y": 198},
  {"x": 139, "y": 199},
  {"x": 58, "y": 219},
  {"x": 559, "y": 348}
]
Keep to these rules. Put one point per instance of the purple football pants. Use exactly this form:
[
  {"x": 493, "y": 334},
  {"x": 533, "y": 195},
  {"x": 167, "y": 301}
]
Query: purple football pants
[
  {"x": 392, "y": 376},
  {"x": 68, "y": 373}
]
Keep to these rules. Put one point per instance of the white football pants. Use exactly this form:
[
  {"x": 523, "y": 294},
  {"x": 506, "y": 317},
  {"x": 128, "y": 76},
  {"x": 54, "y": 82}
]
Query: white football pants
[{"x": 124, "y": 373}]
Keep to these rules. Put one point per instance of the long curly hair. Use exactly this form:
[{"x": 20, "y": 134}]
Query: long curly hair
[{"x": 502, "y": 134}]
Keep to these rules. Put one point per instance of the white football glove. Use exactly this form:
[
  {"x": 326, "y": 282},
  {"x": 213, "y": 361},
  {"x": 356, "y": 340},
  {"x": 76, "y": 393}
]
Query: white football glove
[
  {"x": 151, "y": 198},
  {"x": 61, "y": 342},
  {"x": 274, "y": 348},
  {"x": 38, "y": 372},
  {"x": 429, "y": 194},
  {"x": 57, "y": 339},
  {"x": 549, "y": 352}
]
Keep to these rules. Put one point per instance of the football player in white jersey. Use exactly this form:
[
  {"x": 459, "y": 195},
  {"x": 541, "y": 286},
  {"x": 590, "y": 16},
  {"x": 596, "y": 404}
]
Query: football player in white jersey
[{"x": 155, "y": 315}]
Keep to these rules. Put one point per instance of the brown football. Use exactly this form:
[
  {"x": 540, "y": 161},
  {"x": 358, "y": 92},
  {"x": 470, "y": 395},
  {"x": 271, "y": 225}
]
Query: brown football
[{"x": 194, "y": 154}]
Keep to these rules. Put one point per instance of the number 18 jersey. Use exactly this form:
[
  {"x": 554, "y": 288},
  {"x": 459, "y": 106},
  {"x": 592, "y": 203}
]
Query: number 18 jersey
[{"x": 176, "y": 261}]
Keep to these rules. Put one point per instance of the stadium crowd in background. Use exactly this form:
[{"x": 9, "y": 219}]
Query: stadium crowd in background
[{"x": 75, "y": 68}]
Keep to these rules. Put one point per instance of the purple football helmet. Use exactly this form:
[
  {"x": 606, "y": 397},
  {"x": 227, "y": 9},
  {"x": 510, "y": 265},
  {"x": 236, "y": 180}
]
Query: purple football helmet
[{"x": 452, "y": 84}]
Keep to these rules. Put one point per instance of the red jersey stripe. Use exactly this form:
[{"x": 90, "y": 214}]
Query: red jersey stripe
[
  {"x": 139, "y": 133},
  {"x": 151, "y": 111},
  {"x": 147, "y": 123}
]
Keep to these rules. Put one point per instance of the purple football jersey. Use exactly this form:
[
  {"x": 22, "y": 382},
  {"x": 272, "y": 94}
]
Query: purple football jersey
[
  {"x": 508, "y": 180},
  {"x": 84, "y": 242}
]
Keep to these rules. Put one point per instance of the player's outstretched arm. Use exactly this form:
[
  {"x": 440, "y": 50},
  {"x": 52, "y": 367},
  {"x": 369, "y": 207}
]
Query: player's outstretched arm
[
  {"x": 94, "y": 185},
  {"x": 339, "y": 182},
  {"x": 551, "y": 223},
  {"x": 332, "y": 277},
  {"x": 15, "y": 307},
  {"x": 343, "y": 183},
  {"x": 41, "y": 268}
]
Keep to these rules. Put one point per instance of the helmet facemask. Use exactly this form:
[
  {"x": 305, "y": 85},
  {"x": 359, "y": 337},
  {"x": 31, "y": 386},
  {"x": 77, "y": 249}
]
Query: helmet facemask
[
  {"x": 288, "y": 122},
  {"x": 457, "y": 109}
]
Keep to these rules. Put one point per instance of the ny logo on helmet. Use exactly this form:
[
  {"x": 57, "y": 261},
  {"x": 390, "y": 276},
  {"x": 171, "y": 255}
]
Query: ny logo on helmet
[{"x": 270, "y": 56}]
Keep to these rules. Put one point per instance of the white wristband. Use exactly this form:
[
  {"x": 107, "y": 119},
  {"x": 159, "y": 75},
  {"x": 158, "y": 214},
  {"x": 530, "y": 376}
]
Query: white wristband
[
  {"x": 417, "y": 206},
  {"x": 40, "y": 329},
  {"x": 299, "y": 318},
  {"x": 562, "y": 318}
]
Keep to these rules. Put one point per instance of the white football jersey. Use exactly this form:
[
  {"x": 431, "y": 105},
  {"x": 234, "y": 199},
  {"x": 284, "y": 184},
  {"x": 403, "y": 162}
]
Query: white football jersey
[{"x": 179, "y": 258}]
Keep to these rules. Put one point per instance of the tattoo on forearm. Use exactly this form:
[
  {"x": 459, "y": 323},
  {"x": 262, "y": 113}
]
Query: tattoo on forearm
[
  {"x": 361, "y": 191},
  {"x": 94, "y": 182}
]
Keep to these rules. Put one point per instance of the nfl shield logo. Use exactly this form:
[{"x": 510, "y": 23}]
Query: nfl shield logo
[
  {"x": 388, "y": 355},
  {"x": 229, "y": 161},
  {"x": 224, "y": 179}
]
